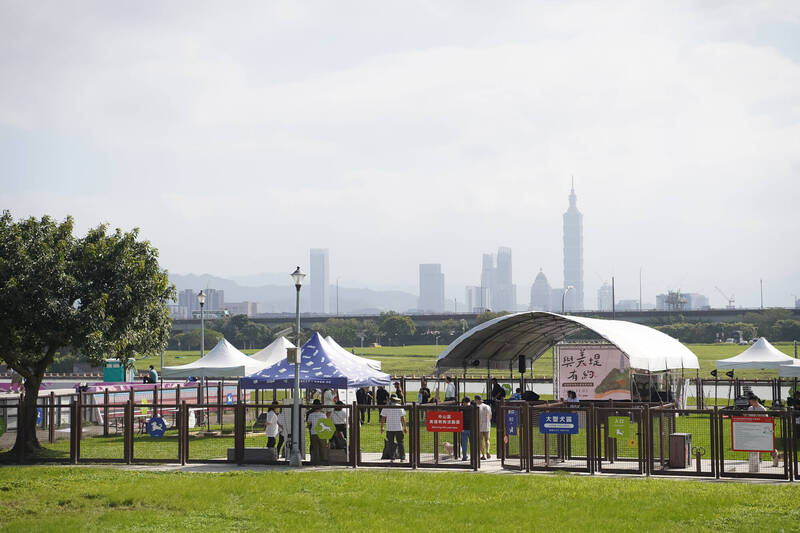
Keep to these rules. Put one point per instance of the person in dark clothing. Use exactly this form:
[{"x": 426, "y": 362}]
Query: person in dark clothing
[
  {"x": 399, "y": 392},
  {"x": 381, "y": 396},
  {"x": 498, "y": 392},
  {"x": 530, "y": 396},
  {"x": 364, "y": 397},
  {"x": 466, "y": 430}
]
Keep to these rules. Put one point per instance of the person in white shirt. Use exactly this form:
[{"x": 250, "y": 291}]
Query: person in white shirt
[
  {"x": 327, "y": 399},
  {"x": 450, "y": 390},
  {"x": 273, "y": 428},
  {"x": 319, "y": 449},
  {"x": 394, "y": 420},
  {"x": 339, "y": 419},
  {"x": 484, "y": 426}
]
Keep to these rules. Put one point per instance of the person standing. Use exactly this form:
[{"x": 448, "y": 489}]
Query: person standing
[
  {"x": 485, "y": 426},
  {"x": 399, "y": 392},
  {"x": 272, "y": 428},
  {"x": 328, "y": 399},
  {"x": 381, "y": 397},
  {"x": 394, "y": 419},
  {"x": 466, "y": 430},
  {"x": 754, "y": 458},
  {"x": 364, "y": 397},
  {"x": 319, "y": 449},
  {"x": 498, "y": 395},
  {"x": 424, "y": 394},
  {"x": 449, "y": 390},
  {"x": 339, "y": 419}
]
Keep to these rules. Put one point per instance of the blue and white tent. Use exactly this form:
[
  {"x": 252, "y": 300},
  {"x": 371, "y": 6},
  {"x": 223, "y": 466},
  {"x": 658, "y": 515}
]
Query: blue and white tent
[{"x": 320, "y": 367}]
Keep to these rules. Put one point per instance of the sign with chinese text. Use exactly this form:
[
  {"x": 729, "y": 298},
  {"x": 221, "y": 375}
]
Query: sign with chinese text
[
  {"x": 512, "y": 422},
  {"x": 558, "y": 423},
  {"x": 621, "y": 428},
  {"x": 447, "y": 421},
  {"x": 752, "y": 433},
  {"x": 593, "y": 372}
]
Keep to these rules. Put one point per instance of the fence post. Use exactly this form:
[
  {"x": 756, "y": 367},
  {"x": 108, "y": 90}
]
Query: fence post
[
  {"x": 238, "y": 431},
  {"x": 526, "y": 427},
  {"x": 590, "y": 438},
  {"x": 648, "y": 448},
  {"x": 126, "y": 445},
  {"x": 354, "y": 427},
  {"x": 155, "y": 401},
  {"x": 73, "y": 431},
  {"x": 51, "y": 430},
  {"x": 105, "y": 412},
  {"x": 185, "y": 425},
  {"x": 716, "y": 443}
]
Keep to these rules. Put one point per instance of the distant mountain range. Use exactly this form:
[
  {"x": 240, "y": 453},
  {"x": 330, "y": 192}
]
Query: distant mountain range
[{"x": 280, "y": 298}]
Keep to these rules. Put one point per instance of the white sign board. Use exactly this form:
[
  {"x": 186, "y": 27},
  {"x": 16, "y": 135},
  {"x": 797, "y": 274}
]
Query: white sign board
[{"x": 752, "y": 433}]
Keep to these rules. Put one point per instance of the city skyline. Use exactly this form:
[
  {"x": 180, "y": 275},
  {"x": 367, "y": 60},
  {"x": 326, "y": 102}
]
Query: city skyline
[{"x": 418, "y": 134}]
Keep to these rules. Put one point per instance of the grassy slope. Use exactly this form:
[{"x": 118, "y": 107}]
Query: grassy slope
[
  {"x": 73, "y": 499},
  {"x": 417, "y": 360}
]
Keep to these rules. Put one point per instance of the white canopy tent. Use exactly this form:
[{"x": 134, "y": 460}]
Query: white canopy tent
[
  {"x": 761, "y": 355},
  {"x": 372, "y": 363},
  {"x": 274, "y": 352},
  {"x": 529, "y": 334},
  {"x": 222, "y": 361}
]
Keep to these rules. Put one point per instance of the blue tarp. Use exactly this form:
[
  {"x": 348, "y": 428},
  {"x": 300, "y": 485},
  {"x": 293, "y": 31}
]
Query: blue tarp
[{"x": 320, "y": 367}]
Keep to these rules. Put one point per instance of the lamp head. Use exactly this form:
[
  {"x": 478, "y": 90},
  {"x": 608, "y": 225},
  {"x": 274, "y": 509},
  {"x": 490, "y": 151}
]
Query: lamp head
[
  {"x": 201, "y": 298},
  {"x": 714, "y": 372},
  {"x": 298, "y": 276},
  {"x": 729, "y": 373}
]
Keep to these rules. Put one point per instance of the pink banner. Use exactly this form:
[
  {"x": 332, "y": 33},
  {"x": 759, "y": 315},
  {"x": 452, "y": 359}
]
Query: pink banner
[{"x": 593, "y": 372}]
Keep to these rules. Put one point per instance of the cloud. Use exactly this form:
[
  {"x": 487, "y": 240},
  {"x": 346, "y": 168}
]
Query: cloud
[{"x": 427, "y": 134}]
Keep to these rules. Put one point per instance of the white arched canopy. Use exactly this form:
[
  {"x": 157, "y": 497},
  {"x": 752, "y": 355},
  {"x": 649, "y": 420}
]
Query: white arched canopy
[{"x": 499, "y": 342}]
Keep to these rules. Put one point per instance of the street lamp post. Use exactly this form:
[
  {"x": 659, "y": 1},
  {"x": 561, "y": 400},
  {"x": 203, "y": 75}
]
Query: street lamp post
[
  {"x": 564, "y": 295},
  {"x": 201, "y": 299},
  {"x": 294, "y": 458}
]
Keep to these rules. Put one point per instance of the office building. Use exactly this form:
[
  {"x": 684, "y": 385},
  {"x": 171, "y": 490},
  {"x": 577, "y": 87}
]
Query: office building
[
  {"x": 319, "y": 281},
  {"x": 504, "y": 297},
  {"x": 540, "y": 293},
  {"x": 475, "y": 297},
  {"x": 573, "y": 254},
  {"x": 604, "y": 297},
  {"x": 431, "y": 288}
]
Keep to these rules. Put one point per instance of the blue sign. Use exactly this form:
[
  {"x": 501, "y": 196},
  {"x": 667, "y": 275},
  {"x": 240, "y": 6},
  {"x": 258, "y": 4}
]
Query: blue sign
[
  {"x": 512, "y": 422},
  {"x": 156, "y": 427},
  {"x": 229, "y": 398},
  {"x": 39, "y": 416},
  {"x": 558, "y": 423}
]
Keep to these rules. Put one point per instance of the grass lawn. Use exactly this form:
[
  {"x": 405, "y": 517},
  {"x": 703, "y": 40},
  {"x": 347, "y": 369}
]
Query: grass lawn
[
  {"x": 418, "y": 360},
  {"x": 103, "y": 499}
]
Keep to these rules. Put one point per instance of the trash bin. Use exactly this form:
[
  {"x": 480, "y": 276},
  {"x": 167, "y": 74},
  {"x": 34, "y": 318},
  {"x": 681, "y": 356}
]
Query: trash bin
[{"x": 680, "y": 450}]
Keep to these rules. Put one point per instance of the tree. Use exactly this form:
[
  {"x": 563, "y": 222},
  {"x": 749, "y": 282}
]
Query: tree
[
  {"x": 489, "y": 315},
  {"x": 394, "y": 326},
  {"x": 101, "y": 295},
  {"x": 190, "y": 340}
]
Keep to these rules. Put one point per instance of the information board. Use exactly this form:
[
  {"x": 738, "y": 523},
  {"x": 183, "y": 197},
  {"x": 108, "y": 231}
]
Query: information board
[
  {"x": 558, "y": 423},
  {"x": 752, "y": 433},
  {"x": 593, "y": 372},
  {"x": 156, "y": 427},
  {"x": 512, "y": 422},
  {"x": 445, "y": 421},
  {"x": 621, "y": 427}
]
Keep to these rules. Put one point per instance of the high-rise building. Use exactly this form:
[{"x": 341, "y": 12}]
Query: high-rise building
[
  {"x": 604, "y": 297},
  {"x": 573, "y": 254},
  {"x": 476, "y": 296},
  {"x": 319, "y": 281},
  {"x": 487, "y": 281},
  {"x": 215, "y": 300},
  {"x": 540, "y": 293},
  {"x": 431, "y": 288},
  {"x": 504, "y": 297}
]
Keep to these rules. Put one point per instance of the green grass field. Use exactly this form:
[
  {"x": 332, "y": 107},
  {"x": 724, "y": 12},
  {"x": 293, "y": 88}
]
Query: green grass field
[
  {"x": 419, "y": 360},
  {"x": 103, "y": 499}
]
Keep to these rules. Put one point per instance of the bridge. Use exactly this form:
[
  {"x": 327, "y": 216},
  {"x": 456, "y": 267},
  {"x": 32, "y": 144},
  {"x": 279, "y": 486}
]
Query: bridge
[{"x": 425, "y": 320}]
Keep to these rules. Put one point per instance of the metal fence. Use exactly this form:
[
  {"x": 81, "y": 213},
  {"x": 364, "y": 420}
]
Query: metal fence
[{"x": 626, "y": 438}]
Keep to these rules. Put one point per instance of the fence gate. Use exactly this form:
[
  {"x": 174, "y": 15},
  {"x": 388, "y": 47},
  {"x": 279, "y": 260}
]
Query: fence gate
[
  {"x": 560, "y": 438},
  {"x": 392, "y": 446},
  {"x": 440, "y": 441},
  {"x": 620, "y": 440},
  {"x": 513, "y": 435},
  {"x": 683, "y": 442},
  {"x": 754, "y": 444}
]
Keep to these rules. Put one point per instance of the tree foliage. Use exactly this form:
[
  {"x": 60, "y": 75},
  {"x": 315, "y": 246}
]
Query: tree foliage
[{"x": 102, "y": 295}]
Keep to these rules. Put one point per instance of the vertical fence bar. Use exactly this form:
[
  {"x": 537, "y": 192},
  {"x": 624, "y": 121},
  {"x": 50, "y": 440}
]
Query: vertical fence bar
[
  {"x": 126, "y": 446},
  {"x": 51, "y": 430},
  {"x": 105, "y": 412},
  {"x": 219, "y": 403},
  {"x": 354, "y": 427},
  {"x": 73, "y": 431}
]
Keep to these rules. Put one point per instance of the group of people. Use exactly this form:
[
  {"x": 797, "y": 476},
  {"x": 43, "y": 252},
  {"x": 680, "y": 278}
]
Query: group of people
[{"x": 484, "y": 428}]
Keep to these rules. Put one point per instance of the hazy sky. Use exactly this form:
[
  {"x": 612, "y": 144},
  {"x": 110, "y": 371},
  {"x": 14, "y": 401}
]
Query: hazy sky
[{"x": 238, "y": 136}]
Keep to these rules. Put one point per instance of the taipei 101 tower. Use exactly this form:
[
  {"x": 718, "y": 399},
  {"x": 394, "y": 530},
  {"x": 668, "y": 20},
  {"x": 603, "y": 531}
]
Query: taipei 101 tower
[{"x": 573, "y": 254}]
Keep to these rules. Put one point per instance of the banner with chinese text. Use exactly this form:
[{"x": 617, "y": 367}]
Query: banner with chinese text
[{"x": 594, "y": 372}]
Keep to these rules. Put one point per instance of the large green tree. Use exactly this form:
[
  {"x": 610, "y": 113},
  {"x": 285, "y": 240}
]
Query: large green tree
[{"x": 103, "y": 295}]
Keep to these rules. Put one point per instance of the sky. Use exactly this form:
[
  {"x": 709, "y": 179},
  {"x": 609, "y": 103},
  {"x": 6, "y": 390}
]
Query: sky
[{"x": 237, "y": 137}]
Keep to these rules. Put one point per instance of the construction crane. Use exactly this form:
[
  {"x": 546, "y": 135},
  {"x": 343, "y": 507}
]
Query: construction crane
[{"x": 731, "y": 300}]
